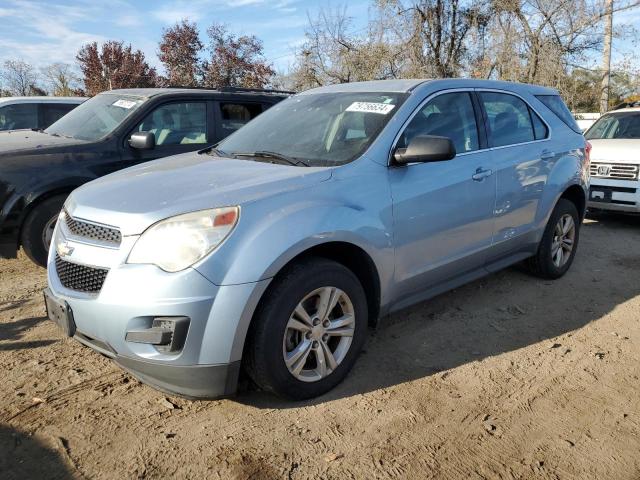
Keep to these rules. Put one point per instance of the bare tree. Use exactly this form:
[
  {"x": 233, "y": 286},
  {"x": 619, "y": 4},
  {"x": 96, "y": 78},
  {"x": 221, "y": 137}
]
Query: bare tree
[
  {"x": 62, "y": 79},
  {"x": 546, "y": 38},
  {"x": 334, "y": 53},
  {"x": 19, "y": 78},
  {"x": 435, "y": 33},
  {"x": 535, "y": 41}
]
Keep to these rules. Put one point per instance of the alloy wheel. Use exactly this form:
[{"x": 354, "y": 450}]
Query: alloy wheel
[
  {"x": 564, "y": 236},
  {"x": 318, "y": 334}
]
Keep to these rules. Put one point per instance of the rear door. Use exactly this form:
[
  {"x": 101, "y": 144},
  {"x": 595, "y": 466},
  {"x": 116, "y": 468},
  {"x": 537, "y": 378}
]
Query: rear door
[
  {"x": 522, "y": 157},
  {"x": 232, "y": 114},
  {"x": 443, "y": 211}
]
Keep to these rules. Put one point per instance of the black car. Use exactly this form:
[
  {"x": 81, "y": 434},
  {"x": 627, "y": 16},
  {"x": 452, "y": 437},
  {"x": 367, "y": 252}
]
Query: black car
[{"x": 111, "y": 131}]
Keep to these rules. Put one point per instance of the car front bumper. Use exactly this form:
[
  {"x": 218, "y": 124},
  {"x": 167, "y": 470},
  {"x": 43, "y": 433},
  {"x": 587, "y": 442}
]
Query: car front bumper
[
  {"x": 132, "y": 296},
  {"x": 614, "y": 195}
]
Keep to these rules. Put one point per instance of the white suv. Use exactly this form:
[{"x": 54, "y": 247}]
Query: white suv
[{"x": 615, "y": 160}]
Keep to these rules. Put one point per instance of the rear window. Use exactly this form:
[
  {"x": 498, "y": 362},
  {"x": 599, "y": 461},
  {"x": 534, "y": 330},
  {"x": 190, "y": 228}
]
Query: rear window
[{"x": 557, "y": 106}]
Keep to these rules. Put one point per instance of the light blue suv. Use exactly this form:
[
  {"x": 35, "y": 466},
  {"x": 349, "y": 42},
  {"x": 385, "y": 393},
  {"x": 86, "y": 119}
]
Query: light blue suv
[{"x": 273, "y": 251}]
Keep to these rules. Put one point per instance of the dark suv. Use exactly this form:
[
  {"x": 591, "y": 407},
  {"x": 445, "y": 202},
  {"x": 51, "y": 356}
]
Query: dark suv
[{"x": 111, "y": 131}]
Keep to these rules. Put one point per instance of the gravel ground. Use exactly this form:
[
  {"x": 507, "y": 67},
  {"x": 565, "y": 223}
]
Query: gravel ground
[{"x": 507, "y": 377}]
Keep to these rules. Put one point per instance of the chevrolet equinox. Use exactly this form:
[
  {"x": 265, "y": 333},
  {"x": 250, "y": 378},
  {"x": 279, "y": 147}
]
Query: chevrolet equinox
[{"x": 273, "y": 250}]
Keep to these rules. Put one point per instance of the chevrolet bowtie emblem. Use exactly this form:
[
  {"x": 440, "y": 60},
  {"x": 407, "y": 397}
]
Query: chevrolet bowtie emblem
[{"x": 64, "y": 249}]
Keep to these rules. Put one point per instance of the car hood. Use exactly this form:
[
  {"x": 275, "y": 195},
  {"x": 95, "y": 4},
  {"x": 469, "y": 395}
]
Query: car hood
[
  {"x": 135, "y": 198},
  {"x": 16, "y": 141},
  {"x": 623, "y": 150}
]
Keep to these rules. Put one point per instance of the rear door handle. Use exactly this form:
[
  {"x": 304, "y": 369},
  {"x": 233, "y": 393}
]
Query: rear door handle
[
  {"x": 547, "y": 155},
  {"x": 481, "y": 174}
]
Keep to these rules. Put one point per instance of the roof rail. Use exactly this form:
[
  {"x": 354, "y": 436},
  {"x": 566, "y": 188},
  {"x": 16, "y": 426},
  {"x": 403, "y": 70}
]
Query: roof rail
[
  {"x": 627, "y": 105},
  {"x": 237, "y": 89},
  {"x": 259, "y": 90}
]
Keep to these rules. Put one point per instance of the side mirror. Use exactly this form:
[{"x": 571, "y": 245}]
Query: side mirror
[
  {"x": 143, "y": 141},
  {"x": 425, "y": 148}
]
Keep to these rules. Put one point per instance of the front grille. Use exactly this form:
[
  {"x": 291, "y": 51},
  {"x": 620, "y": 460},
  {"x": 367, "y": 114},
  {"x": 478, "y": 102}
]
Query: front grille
[
  {"x": 93, "y": 231},
  {"x": 616, "y": 171},
  {"x": 80, "y": 277}
]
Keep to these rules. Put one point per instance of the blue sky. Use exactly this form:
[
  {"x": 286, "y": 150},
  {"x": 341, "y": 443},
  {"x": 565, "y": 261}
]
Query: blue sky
[{"x": 42, "y": 32}]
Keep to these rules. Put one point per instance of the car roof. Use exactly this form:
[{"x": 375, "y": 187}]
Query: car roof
[
  {"x": 409, "y": 85},
  {"x": 41, "y": 99},
  {"x": 154, "y": 92}
]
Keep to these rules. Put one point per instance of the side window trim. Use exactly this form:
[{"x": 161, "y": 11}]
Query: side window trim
[
  {"x": 481, "y": 121},
  {"x": 420, "y": 106},
  {"x": 531, "y": 109}
]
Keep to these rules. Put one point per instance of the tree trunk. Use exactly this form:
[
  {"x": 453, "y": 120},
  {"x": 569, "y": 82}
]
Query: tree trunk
[{"x": 606, "y": 57}]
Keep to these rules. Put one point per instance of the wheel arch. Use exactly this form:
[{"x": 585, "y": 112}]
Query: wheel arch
[
  {"x": 576, "y": 195},
  {"x": 353, "y": 257}
]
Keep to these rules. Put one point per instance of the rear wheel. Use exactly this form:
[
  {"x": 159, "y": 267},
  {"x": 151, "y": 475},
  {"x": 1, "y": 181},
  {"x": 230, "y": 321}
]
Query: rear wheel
[
  {"x": 559, "y": 242},
  {"x": 308, "y": 331},
  {"x": 37, "y": 230}
]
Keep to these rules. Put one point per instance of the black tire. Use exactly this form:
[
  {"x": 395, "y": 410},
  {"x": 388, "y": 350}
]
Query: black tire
[
  {"x": 264, "y": 361},
  {"x": 34, "y": 226},
  {"x": 541, "y": 264}
]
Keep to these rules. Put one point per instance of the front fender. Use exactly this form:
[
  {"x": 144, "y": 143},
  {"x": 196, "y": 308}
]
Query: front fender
[
  {"x": 355, "y": 209},
  {"x": 263, "y": 243}
]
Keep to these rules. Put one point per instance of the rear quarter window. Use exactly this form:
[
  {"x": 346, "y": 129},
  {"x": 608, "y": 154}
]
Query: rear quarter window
[{"x": 560, "y": 110}]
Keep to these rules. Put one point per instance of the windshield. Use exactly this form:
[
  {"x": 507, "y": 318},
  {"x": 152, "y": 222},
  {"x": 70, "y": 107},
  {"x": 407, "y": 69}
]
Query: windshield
[
  {"x": 322, "y": 129},
  {"x": 615, "y": 126},
  {"x": 97, "y": 117}
]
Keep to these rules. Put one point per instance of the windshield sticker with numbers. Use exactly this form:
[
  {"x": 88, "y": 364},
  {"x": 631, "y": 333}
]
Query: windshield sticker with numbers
[
  {"x": 370, "y": 107},
  {"x": 124, "y": 104}
]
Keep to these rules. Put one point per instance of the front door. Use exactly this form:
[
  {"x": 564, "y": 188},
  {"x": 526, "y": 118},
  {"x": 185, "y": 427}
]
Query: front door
[
  {"x": 443, "y": 211},
  {"x": 179, "y": 127}
]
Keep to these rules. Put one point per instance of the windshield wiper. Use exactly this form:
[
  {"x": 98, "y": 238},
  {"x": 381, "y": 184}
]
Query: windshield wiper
[
  {"x": 217, "y": 152},
  {"x": 273, "y": 155}
]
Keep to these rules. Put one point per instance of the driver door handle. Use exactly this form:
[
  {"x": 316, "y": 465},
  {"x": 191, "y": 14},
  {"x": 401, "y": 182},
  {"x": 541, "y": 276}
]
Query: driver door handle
[{"x": 481, "y": 174}]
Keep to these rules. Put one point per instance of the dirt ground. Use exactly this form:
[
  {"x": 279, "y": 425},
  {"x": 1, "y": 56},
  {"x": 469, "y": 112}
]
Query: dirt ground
[{"x": 507, "y": 377}]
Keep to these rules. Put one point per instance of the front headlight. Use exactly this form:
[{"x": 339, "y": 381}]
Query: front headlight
[{"x": 178, "y": 242}]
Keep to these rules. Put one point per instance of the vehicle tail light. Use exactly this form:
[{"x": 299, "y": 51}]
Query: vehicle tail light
[{"x": 587, "y": 150}]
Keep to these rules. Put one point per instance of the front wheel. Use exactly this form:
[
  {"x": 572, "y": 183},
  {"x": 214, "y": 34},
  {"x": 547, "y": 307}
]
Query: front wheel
[
  {"x": 559, "y": 242},
  {"x": 308, "y": 330}
]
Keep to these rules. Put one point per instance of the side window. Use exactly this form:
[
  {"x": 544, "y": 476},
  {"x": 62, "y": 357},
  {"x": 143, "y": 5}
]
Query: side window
[
  {"x": 177, "y": 123},
  {"x": 21, "y": 115},
  {"x": 235, "y": 115},
  {"x": 540, "y": 130},
  {"x": 52, "y": 112},
  {"x": 509, "y": 119},
  {"x": 448, "y": 115}
]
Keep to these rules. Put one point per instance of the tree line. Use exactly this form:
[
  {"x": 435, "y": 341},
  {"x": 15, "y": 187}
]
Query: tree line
[{"x": 548, "y": 42}]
